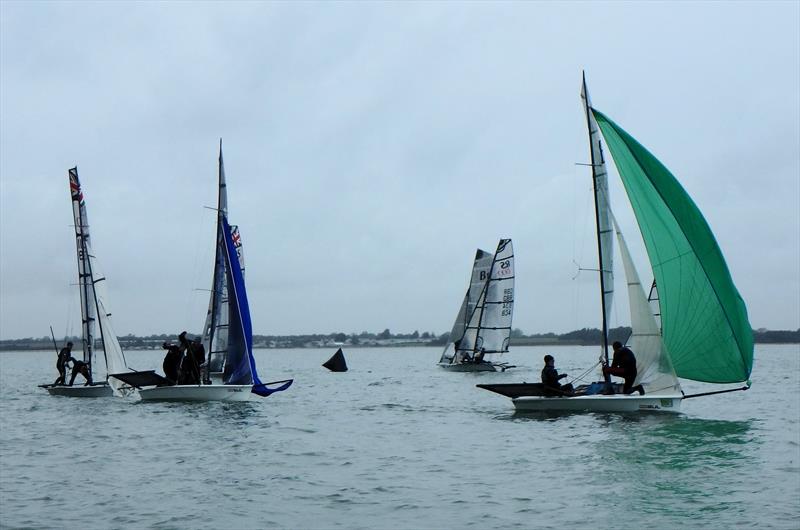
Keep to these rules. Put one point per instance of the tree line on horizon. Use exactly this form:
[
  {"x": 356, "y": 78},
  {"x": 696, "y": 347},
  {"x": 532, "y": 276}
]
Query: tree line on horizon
[{"x": 584, "y": 336}]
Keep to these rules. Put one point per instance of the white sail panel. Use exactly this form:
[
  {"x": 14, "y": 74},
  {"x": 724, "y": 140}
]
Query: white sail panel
[
  {"x": 653, "y": 364},
  {"x": 489, "y": 329},
  {"x": 216, "y": 328},
  {"x": 480, "y": 274},
  {"x": 115, "y": 359},
  {"x": 604, "y": 229},
  {"x": 84, "y": 249},
  {"x": 498, "y": 308},
  {"x": 94, "y": 299}
]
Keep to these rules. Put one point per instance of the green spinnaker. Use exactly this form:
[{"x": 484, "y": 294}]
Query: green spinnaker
[{"x": 703, "y": 318}]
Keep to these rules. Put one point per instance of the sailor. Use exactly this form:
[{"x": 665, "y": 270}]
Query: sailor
[
  {"x": 623, "y": 365},
  {"x": 551, "y": 378},
  {"x": 64, "y": 357},
  {"x": 172, "y": 361},
  {"x": 80, "y": 367},
  {"x": 479, "y": 356},
  {"x": 192, "y": 360}
]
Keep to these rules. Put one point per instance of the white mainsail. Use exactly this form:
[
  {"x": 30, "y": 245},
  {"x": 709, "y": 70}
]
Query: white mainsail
[
  {"x": 216, "y": 328},
  {"x": 480, "y": 273},
  {"x": 604, "y": 231},
  {"x": 489, "y": 327},
  {"x": 83, "y": 248},
  {"x": 94, "y": 298}
]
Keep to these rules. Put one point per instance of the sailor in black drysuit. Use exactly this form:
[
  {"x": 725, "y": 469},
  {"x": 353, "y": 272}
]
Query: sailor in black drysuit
[
  {"x": 551, "y": 378},
  {"x": 61, "y": 364},
  {"x": 624, "y": 365},
  {"x": 172, "y": 361}
]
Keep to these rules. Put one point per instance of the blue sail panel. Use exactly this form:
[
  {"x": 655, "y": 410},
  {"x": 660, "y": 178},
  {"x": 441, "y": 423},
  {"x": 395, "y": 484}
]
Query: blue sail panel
[
  {"x": 241, "y": 366},
  {"x": 239, "y": 369}
]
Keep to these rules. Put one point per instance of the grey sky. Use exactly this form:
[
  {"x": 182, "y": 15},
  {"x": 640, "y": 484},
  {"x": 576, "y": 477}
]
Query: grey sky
[{"x": 370, "y": 148}]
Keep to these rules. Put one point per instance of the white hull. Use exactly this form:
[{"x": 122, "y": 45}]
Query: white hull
[
  {"x": 468, "y": 367},
  {"x": 600, "y": 403},
  {"x": 81, "y": 391},
  {"x": 197, "y": 393}
]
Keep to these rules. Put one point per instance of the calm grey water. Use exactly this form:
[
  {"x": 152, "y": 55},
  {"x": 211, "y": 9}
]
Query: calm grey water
[{"x": 396, "y": 443}]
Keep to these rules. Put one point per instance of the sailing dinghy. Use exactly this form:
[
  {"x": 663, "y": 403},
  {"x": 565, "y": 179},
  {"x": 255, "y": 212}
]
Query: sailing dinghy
[
  {"x": 483, "y": 324},
  {"x": 704, "y": 333},
  {"x": 229, "y": 373},
  {"x": 95, "y": 316}
]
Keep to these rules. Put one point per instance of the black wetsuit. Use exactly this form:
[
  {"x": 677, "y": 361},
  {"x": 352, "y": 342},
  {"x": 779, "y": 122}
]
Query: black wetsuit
[
  {"x": 189, "y": 373},
  {"x": 172, "y": 362},
  {"x": 61, "y": 365},
  {"x": 625, "y": 363},
  {"x": 551, "y": 378},
  {"x": 80, "y": 367}
]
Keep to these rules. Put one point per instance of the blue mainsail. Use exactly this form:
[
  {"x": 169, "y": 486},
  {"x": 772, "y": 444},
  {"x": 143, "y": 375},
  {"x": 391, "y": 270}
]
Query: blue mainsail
[{"x": 240, "y": 368}]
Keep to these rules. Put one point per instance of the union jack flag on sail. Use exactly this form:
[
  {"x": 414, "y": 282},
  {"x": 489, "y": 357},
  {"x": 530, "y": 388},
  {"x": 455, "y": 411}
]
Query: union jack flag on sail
[
  {"x": 75, "y": 185},
  {"x": 236, "y": 238}
]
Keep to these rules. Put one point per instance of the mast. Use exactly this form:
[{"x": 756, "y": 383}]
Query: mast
[
  {"x": 596, "y": 175},
  {"x": 84, "y": 271},
  {"x": 92, "y": 292},
  {"x": 214, "y": 302}
]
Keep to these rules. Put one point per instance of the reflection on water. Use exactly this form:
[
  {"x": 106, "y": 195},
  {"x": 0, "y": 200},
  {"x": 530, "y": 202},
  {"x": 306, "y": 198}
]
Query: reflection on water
[{"x": 674, "y": 465}]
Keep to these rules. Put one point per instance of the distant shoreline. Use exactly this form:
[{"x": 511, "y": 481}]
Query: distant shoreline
[{"x": 586, "y": 338}]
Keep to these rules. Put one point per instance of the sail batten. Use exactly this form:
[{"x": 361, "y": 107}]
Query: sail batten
[{"x": 703, "y": 317}]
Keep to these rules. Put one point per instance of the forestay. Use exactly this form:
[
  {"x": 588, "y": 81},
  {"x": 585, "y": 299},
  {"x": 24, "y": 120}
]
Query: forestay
[{"x": 703, "y": 317}]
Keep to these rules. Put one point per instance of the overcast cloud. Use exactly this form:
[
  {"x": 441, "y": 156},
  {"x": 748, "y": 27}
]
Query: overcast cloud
[{"x": 370, "y": 148}]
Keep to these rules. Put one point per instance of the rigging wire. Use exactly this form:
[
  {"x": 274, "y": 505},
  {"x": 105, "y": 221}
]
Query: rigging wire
[
  {"x": 195, "y": 296},
  {"x": 584, "y": 374}
]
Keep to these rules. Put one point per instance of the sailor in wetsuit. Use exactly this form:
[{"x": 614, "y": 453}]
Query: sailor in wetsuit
[
  {"x": 551, "y": 378},
  {"x": 193, "y": 361},
  {"x": 80, "y": 367},
  {"x": 172, "y": 361},
  {"x": 61, "y": 364},
  {"x": 624, "y": 365}
]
